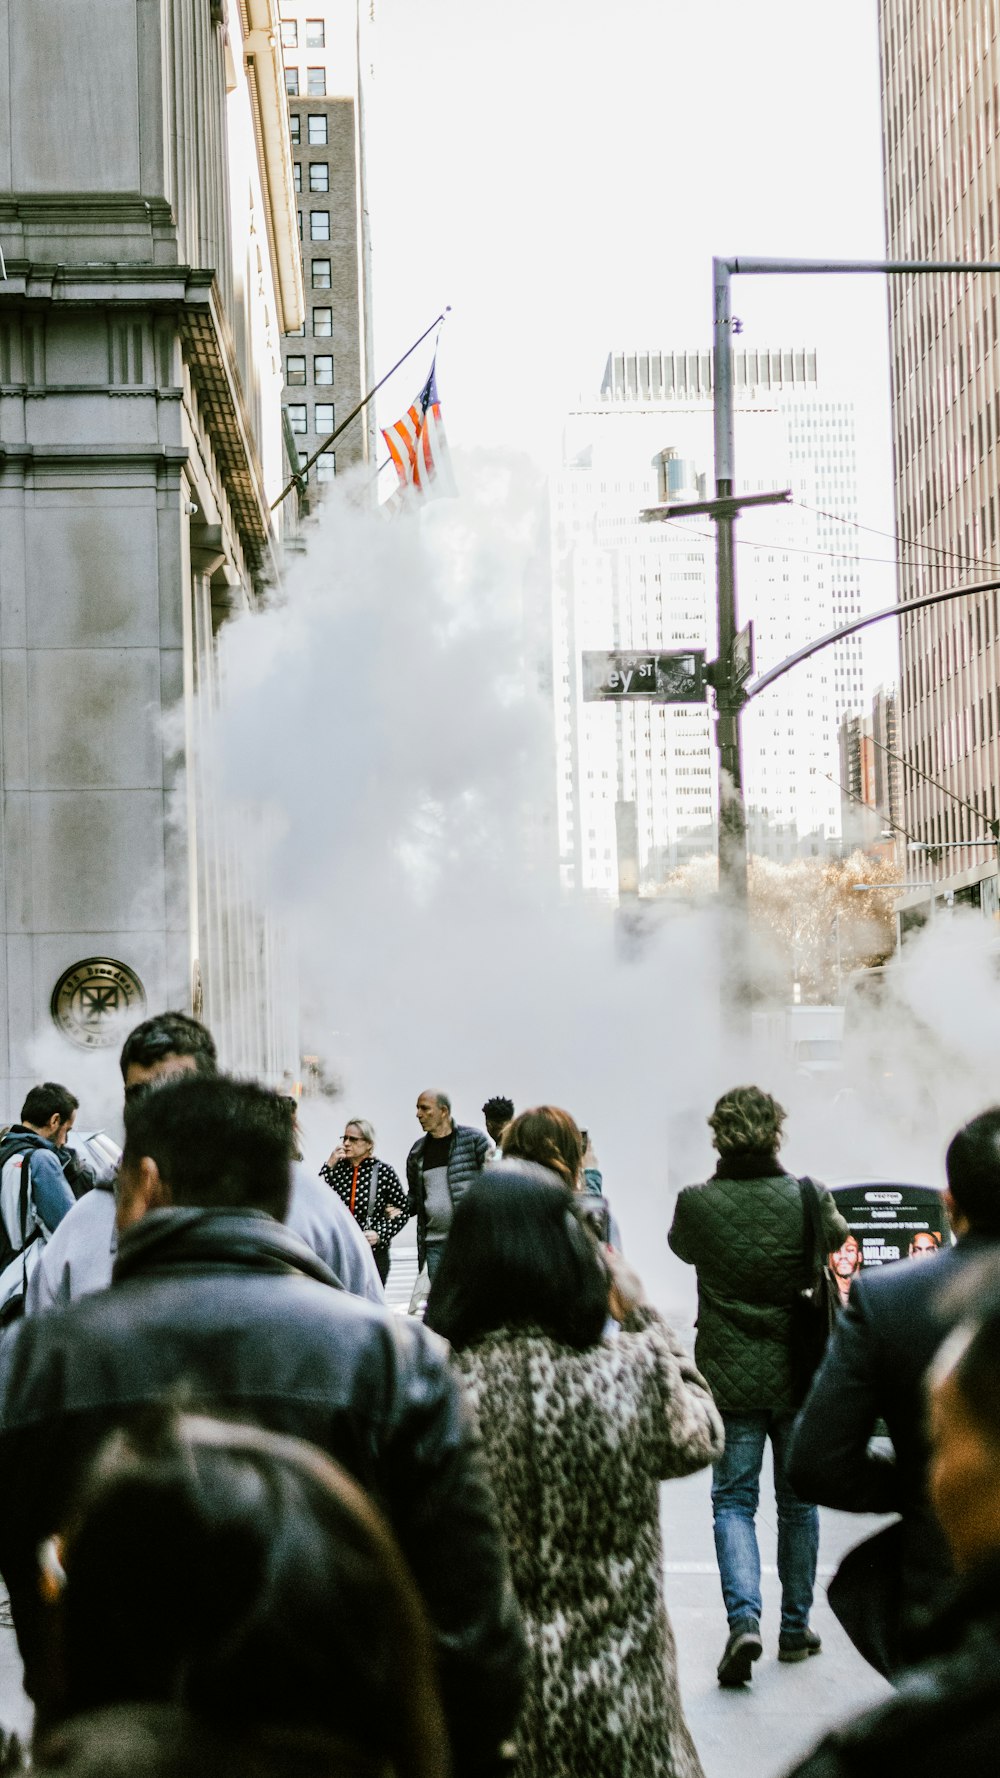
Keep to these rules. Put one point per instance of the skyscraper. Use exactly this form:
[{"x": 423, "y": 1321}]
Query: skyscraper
[
  {"x": 619, "y": 583},
  {"x": 327, "y": 362},
  {"x": 941, "y": 121}
]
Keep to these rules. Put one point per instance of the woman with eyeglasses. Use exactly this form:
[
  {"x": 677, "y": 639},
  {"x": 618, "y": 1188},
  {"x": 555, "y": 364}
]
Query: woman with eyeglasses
[{"x": 369, "y": 1187}]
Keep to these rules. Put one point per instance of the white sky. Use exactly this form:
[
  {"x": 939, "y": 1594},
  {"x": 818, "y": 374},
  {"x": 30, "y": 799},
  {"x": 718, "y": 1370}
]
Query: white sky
[{"x": 562, "y": 171}]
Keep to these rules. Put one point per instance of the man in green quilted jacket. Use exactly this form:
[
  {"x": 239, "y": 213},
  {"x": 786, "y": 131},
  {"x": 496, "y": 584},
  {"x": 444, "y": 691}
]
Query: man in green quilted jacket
[{"x": 745, "y": 1232}]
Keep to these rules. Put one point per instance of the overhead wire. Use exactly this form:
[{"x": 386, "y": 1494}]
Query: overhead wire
[
  {"x": 801, "y": 549},
  {"x": 933, "y": 549}
]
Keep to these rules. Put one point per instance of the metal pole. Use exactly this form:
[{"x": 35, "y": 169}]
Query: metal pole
[{"x": 728, "y": 699}]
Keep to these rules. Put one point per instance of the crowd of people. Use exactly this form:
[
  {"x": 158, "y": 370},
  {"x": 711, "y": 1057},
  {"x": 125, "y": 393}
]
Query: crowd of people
[{"x": 254, "y": 1523}]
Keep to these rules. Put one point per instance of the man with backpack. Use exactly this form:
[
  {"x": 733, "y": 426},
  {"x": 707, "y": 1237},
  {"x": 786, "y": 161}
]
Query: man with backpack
[
  {"x": 35, "y": 1193},
  {"x": 747, "y": 1233}
]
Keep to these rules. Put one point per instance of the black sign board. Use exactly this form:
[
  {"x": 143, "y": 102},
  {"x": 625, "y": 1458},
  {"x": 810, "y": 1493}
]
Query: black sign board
[
  {"x": 622, "y": 675},
  {"x": 887, "y": 1223}
]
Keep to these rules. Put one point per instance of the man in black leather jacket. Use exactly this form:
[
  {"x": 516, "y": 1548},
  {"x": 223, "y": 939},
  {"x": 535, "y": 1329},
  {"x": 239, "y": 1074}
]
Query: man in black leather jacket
[
  {"x": 945, "y": 1714},
  {"x": 875, "y": 1368},
  {"x": 213, "y": 1303}
]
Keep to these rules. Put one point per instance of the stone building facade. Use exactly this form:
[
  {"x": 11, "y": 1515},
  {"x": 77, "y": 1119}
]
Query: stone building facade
[{"x": 147, "y": 217}]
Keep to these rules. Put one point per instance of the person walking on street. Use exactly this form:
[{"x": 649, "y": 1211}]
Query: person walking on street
[
  {"x": 440, "y": 1167},
  {"x": 497, "y": 1113},
  {"x": 80, "y": 1257},
  {"x": 213, "y": 1297},
  {"x": 578, "y": 1430},
  {"x": 875, "y": 1369},
  {"x": 35, "y": 1192},
  {"x": 944, "y": 1714},
  {"x": 746, "y": 1233},
  {"x": 369, "y": 1187}
]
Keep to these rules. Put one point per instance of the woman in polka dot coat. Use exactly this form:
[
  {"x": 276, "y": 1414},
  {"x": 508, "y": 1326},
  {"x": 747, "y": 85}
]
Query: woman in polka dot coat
[{"x": 578, "y": 1431}]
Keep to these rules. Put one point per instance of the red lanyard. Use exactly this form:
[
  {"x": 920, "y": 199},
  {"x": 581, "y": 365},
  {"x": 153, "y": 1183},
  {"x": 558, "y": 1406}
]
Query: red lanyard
[{"x": 354, "y": 1185}]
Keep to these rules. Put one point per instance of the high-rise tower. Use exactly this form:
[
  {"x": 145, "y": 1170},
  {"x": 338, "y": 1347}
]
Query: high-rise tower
[
  {"x": 620, "y": 583},
  {"x": 941, "y": 120},
  {"x": 327, "y": 362}
]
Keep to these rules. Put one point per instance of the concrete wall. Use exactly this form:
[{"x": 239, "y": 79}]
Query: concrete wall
[{"x": 140, "y": 445}]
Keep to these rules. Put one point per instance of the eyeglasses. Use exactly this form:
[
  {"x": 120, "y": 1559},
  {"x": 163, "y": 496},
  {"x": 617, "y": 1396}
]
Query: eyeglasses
[{"x": 353, "y": 1138}]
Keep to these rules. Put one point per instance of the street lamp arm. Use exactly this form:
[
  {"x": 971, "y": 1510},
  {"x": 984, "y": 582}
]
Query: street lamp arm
[
  {"x": 898, "y": 267},
  {"x": 862, "y": 623}
]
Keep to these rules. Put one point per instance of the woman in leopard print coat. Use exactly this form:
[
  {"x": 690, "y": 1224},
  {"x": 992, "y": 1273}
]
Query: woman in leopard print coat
[{"x": 578, "y": 1431}]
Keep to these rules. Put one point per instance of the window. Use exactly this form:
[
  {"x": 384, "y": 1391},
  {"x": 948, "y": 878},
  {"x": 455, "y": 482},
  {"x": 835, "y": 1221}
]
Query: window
[
  {"x": 297, "y": 175},
  {"x": 323, "y": 323},
  {"x": 300, "y": 225},
  {"x": 319, "y": 176},
  {"x": 319, "y": 225},
  {"x": 292, "y": 82},
  {"x": 298, "y": 416},
  {"x": 323, "y": 368},
  {"x": 295, "y": 129},
  {"x": 321, "y": 274},
  {"x": 324, "y": 417},
  {"x": 316, "y": 83},
  {"x": 326, "y": 466},
  {"x": 289, "y": 34},
  {"x": 316, "y": 130},
  {"x": 295, "y": 370},
  {"x": 315, "y": 34},
  {"x": 296, "y": 333}
]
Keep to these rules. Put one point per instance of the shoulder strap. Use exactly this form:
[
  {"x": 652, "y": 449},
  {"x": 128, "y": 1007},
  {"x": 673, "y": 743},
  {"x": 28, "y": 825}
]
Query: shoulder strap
[
  {"x": 372, "y": 1191},
  {"x": 814, "y": 1241}
]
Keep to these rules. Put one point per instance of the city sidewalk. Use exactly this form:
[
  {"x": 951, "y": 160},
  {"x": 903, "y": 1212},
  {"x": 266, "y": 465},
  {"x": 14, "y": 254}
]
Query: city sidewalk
[{"x": 758, "y": 1730}]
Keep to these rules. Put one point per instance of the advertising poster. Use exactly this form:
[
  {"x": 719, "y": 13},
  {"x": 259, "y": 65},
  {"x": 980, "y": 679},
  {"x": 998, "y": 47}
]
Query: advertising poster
[{"x": 887, "y": 1223}]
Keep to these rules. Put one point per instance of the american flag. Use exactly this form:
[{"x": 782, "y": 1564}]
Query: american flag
[{"x": 418, "y": 446}]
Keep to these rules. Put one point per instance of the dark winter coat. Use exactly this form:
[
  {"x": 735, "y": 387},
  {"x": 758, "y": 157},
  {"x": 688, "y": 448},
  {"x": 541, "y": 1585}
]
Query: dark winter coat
[
  {"x": 388, "y": 1192},
  {"x": 576, "y": 1444},
  {"x": 944, "y": 1715},
  {"x": 875, "y": 1369},
  {"x": 745, "y": 1234},
  {"x": 232, "y": 1311},
  {"x": 469, "y": 1152}
]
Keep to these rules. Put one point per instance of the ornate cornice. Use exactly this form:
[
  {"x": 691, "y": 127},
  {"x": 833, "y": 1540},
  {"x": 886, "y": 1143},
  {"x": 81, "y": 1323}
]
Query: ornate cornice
[{"x": 191, "y": 294}]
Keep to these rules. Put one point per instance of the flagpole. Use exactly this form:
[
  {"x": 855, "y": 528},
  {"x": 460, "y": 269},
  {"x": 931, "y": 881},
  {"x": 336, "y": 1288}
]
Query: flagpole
[{"x": 304, "y": 468}]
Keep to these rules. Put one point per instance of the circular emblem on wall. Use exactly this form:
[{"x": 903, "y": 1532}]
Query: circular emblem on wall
[{"x": 96, "y": 1001}]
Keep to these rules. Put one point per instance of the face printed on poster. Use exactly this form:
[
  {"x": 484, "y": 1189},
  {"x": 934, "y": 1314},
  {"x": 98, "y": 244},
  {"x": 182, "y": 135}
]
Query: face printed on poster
[{"x": 886, "y": 1223}]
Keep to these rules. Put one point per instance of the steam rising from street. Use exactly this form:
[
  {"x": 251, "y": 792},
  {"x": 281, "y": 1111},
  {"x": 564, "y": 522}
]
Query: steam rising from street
[{"x": 387, "y": 723}]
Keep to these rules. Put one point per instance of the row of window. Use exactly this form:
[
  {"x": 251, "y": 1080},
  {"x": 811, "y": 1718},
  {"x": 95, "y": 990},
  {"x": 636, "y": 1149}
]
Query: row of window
[
  {"x": 322, "y": 277},
  {"x": 315, "y": 34},
  {"x": 322, "y": 326},
  {"x": 298, "y": 417},
  {"x": 319, "y": 225},
  {"x": 319, "y": 175},
  {"x": 317, "y": 132},
  {"x": 295, "y": 369},
  {"x": 315, "y": 86}
]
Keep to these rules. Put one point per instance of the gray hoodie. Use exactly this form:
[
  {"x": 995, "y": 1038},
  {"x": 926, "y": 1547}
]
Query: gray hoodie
[{"x": 81, "y": 1253}]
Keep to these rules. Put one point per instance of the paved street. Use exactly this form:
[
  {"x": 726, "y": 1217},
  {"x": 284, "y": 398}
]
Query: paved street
[{"x": 769, "y": 1723}]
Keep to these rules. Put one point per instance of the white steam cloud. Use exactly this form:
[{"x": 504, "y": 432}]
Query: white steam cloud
[{"x": 387, "y": 726}]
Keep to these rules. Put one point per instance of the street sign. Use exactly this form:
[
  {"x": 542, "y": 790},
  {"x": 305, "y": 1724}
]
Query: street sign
[
  {"x": 624, "y": 675},
  {"x": 742, "y": 656}
]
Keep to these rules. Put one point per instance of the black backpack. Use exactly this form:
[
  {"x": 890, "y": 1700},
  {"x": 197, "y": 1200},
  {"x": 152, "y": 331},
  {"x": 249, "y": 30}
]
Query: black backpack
[{"x": 10, "y": 1146}]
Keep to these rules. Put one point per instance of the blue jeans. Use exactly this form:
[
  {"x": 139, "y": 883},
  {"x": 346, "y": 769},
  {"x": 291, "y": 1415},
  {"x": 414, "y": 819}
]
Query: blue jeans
[{"x": 735, "y": 1493}]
